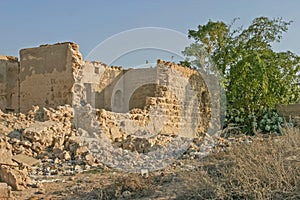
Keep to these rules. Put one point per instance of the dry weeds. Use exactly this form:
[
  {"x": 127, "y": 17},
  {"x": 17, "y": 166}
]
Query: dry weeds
[{"x": 266, "y": 168}]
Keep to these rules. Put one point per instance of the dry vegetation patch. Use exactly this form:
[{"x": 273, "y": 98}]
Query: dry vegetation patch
[{"x": 265, "y": 168}]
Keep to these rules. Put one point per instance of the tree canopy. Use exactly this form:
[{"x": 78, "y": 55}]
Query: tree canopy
[{"x": 256, "y": 78}]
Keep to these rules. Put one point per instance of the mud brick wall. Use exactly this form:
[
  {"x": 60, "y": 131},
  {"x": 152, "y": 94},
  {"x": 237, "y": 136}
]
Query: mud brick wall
[
  {"x": 46, "y": 75},
  {"x": 177, "y": 102},
  {"x": 99, "y": 81},
  {"x": 187, "y": 97},
  {"x": 9, "y": 83}
]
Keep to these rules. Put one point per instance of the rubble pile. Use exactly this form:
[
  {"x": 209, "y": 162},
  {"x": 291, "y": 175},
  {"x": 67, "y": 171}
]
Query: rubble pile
[
  {"x": 133, "y": 131},
  {"x": 39, "y": 145},
  {"x": 31, "y": 149},
  {"x": 5, "y": 191}
]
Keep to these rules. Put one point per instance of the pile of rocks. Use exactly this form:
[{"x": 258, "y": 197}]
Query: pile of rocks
[
  {"x": 10, "y": 172},
  {"x": 5, "y": 191},
  {"x": 31, "y": 149},
  {"x": 45, "y": 144}
]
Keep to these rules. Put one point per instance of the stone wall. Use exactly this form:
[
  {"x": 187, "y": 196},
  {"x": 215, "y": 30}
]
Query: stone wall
[
  {"x": 46, "y": 75},
  {"x": 9, "y": 83},
  {"x": 192, "y": 101},
  {"x": 117, "y": 112}
]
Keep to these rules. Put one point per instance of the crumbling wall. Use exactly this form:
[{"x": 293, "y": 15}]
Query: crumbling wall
[
  {"x": 158, "y": 104},
  {"x": 139, "y": 97},
  {"x": 99, "y": 81},
  {"x": 191, "y": 97},
  {"x": 157, "y": 111},
  {"x": 9, "y": 66},
  {"x": 46, "y": 75}
]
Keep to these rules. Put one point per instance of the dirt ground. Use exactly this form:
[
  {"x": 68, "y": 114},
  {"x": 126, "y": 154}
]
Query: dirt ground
[{"x": 99, "y": 183}]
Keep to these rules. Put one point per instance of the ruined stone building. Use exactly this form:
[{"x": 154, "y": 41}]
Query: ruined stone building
[
  {"x": 43, "y": 77},
  {"x": 46, "y": 76}
]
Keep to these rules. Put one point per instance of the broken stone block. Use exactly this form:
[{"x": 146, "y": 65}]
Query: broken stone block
[
  {"x": 81, "y": 150},
  {"x": 78, "y": 168},
  {"x": 56, "y": 161},
  {"x": 32, "y": 113},
  {"x": 65, "y": 155},
  {"x": 26, "y": 143},
  {"x": 59, "y": 143},
  {"x": 6, "y": 157},
  {"x": 5, "y": 151},
  {"x": 25, "y": 160},
  {"x": 5, "y": 191},
  {"x": 73, "y": 143},
  {"x": 37, "y": 147},
  {"x": 17, "y": 179},
  {"x": 145, "y": 173},
  {"x": 89, "y": 158},
  {"x": 115, "y": 133}
]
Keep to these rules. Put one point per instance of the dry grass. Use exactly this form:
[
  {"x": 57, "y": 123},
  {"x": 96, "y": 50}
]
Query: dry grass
[
  {"x": 264, "y": 169},
  {"x": 267, "y": 168}
]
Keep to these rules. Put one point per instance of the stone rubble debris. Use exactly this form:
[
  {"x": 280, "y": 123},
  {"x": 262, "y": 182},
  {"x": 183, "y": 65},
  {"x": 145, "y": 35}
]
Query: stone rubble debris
[
  {"x": 5, "y": 192},
  {"x": 25, "y": 160},
  {"x": 31, "y": 149},
  {"x": 16, "y": 178}
]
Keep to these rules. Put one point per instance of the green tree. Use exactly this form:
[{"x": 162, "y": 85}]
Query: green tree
[{"x": 255, "y": 77}]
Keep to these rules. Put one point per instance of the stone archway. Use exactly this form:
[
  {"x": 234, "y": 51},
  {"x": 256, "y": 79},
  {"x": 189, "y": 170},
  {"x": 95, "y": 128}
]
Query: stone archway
[
  {"x": 129, "y": 83},
  {"x": 138, "y": 98}
]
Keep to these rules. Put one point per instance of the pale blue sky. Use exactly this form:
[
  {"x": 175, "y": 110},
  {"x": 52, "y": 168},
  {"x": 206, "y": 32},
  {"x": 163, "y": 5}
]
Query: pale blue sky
[{"x": 31, "y": 23}]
